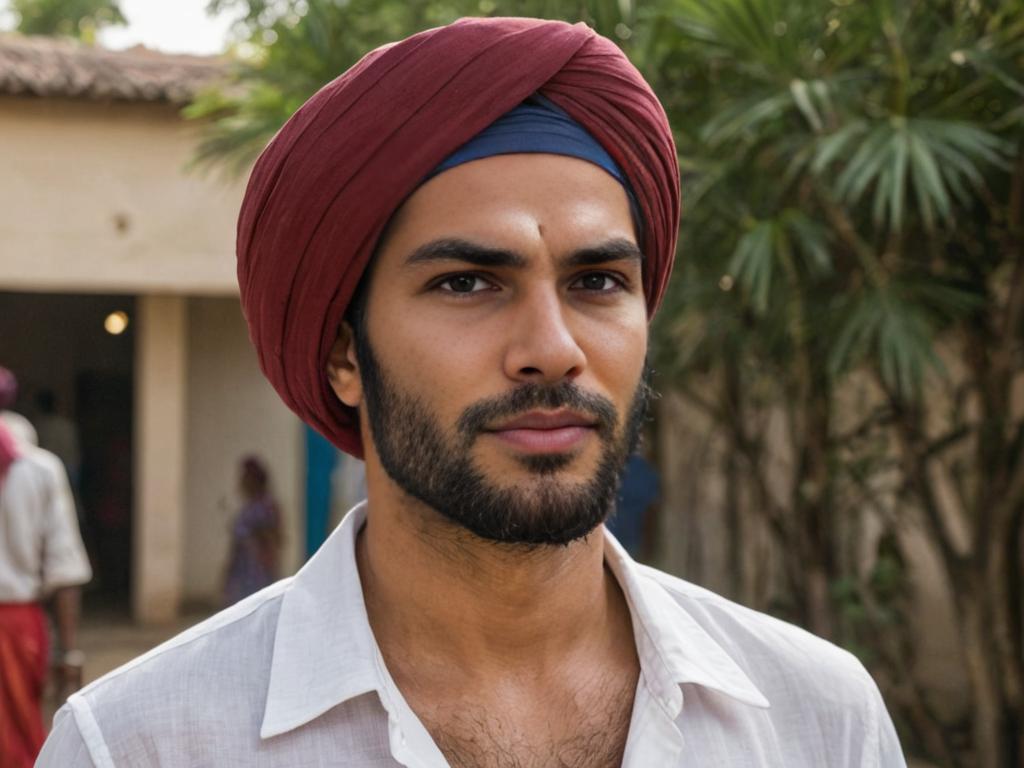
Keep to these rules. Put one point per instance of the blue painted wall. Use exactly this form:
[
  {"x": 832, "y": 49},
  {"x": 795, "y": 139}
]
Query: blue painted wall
[{"x": 321, "y": 458}]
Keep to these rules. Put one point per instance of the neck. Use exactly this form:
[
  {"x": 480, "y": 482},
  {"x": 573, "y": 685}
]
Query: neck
[{"x": 471, "y": 604}]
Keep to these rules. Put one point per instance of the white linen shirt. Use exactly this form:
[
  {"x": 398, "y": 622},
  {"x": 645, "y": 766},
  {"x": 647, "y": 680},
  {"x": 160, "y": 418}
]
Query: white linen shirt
[
  {"x": 292, "y": 676},
  {"x": 40, "y": 546}
]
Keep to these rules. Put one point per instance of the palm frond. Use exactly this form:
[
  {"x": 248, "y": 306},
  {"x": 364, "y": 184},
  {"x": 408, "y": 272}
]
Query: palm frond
[{"x": 752, "y": 262}]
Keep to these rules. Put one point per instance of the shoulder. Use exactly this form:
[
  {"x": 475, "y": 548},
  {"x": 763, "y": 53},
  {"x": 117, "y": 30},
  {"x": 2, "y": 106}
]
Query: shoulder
[
  {"x": 42, "y": 461},
  {"x": 213, "y": 675},
  {"x": 242, "y": 633},
  {"x": 21, "y": 427},
  {"x": 788, "y": 664},
  {"x": 38, "y": 481},
  {"x": 29, "y": 471},
  {"x": 824, "y": 708}
]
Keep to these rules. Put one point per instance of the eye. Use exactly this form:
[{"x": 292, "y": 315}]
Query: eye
[
  {"x": 599, "y": 282},
  {"x": 463, "y": 284}
]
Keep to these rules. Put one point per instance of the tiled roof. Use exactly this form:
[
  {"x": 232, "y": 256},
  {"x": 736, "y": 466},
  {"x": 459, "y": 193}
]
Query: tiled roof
[{"x": 44, "y": 66}]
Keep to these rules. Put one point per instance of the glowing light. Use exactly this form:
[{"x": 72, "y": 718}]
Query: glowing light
[{"x": 116, "y": 323}]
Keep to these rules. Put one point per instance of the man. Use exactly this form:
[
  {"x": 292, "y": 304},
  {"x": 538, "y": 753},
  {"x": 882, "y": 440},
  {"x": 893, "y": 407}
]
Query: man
[
  {"x": 41, "y": 556},
  {"x": 448, "y": 259},
  {"x": 20, "y": 427},
  {"x": 57, "y": 433},
  {"x": 639, "y": 489}
]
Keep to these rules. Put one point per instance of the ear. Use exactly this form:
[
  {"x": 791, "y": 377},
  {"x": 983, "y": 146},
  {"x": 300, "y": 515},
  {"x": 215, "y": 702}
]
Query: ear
[{"x": 343, "y": 369}]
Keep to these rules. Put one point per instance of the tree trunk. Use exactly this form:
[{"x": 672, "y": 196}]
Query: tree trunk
[
  {"x": 988, "y": 718},
  {"x": 819, "y": 602},
  {"x": 1015, "y": 550},
  {"x": 813, "y": 491}
]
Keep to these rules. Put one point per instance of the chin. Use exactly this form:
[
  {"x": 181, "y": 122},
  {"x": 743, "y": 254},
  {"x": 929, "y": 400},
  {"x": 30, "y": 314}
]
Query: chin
[{"x": 575, "y": 465}]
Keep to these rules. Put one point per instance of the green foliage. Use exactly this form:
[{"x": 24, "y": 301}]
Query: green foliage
[
  {"x": 876, "y": 604},
  {"x": 896, "y": 129},
  {"x": 882, "y": 122},
  {"x": 293, "y": 47},
  {"x": 67, "y": 18}
]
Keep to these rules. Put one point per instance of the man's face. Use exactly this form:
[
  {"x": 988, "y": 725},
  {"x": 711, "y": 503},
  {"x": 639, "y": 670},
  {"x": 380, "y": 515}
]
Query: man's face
[{"x": 503, "y": 349}]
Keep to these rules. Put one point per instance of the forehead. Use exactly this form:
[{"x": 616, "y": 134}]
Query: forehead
[{"x": 517, "y": 202}]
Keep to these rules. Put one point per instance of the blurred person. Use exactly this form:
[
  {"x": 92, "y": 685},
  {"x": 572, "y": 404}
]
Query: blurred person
[
  {"x": 253, "y": 562},
  {"x": 448, "y": 260},
  {"x": 20, "y": 426},
  {"x": 639, "y": 489},
  {"x": 41, "y": 557},
  {"x": 57, "y": 433}
]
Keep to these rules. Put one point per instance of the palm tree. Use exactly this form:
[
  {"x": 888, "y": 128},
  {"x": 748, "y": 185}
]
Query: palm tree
[
  {"x": 292, "y": 48},
  {"x": 854, "y": 173}
]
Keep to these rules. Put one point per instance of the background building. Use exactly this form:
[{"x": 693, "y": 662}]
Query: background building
[{"x": 99, "y": 214}]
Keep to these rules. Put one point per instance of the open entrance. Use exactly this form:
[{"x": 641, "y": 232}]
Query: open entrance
[{"x": 74, "y": 359}]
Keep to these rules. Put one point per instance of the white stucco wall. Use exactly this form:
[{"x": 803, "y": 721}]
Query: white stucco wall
[
  {"x": 95, "y": 198},
  {"x": 160, "y": 442},
  {"x": 232, "y": 411}
]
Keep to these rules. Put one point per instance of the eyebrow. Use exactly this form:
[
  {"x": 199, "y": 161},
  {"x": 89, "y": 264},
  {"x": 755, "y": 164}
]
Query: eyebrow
[{"x": 457, "y": 249}]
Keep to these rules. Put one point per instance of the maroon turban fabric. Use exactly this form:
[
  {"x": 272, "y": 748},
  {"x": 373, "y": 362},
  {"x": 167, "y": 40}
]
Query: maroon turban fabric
[{"x": 325, "y": 187}]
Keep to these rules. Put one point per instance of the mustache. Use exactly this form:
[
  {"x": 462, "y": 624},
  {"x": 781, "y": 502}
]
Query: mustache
[{"x": 527, "y": 397}]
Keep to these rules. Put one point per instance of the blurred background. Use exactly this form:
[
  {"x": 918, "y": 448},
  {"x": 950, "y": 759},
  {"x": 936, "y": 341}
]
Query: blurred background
[{"x": 839, "y": 438}]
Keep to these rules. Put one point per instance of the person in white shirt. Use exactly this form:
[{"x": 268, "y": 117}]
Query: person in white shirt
[
  {"x": 41, "y": 558},
  {"x": 21, "y": 428},
  {"x": 448, "y": 259}
]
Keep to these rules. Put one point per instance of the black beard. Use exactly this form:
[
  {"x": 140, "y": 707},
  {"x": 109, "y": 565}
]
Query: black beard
[{"x": 437, "y": 469}]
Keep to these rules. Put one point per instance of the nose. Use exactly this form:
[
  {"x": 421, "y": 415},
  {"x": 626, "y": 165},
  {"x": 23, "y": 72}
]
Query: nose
[{"x": 542, "y": 347}]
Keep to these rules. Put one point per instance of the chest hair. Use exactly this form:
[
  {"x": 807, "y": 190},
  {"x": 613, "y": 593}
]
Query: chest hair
[{"x": 589, "y": 733}]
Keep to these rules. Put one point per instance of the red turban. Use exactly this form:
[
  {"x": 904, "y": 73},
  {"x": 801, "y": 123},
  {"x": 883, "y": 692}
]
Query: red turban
[{"x": 325, "y": 187}]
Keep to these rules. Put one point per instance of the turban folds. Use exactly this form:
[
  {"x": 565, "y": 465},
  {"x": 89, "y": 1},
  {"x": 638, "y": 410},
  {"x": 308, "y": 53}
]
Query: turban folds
[{"x": 325, "y": 187}]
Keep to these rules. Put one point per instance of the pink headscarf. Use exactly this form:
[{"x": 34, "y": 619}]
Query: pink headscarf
[
  {"x": 8, "y": 451},
  {"x": 8, "y": 388}
]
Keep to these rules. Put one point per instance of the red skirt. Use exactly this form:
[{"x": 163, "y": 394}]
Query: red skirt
[{"x": 24, "y": 660}]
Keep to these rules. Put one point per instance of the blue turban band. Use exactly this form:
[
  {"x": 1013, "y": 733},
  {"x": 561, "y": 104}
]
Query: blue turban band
[{"x": 538, "y": 126}]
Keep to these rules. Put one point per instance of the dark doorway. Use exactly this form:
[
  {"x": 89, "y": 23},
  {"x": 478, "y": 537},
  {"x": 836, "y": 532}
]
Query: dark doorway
[
  {"x": 76, "y": 382},
  {"x": 106, "y": 479}
]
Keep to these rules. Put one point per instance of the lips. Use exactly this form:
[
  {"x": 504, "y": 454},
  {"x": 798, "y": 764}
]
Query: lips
[
  {"x": 545, "y": 432},
  {"x": 546, "y": 420}
]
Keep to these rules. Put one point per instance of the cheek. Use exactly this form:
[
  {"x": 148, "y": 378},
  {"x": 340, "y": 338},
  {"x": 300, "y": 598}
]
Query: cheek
[
  {"x": 438, "y": 364},
  {"x": 449, "y": 362},
  {"x": 616, "y": 352}
]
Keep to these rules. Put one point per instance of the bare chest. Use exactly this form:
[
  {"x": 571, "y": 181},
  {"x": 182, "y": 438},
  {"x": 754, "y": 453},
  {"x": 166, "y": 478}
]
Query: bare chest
[{"x": 587, "y": 730}]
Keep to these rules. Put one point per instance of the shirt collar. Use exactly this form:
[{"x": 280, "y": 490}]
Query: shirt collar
[
  {"x": 324, "y": 649},
  {"x": 674, "y": 649},
  {"x": 325, "y": 652}
]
